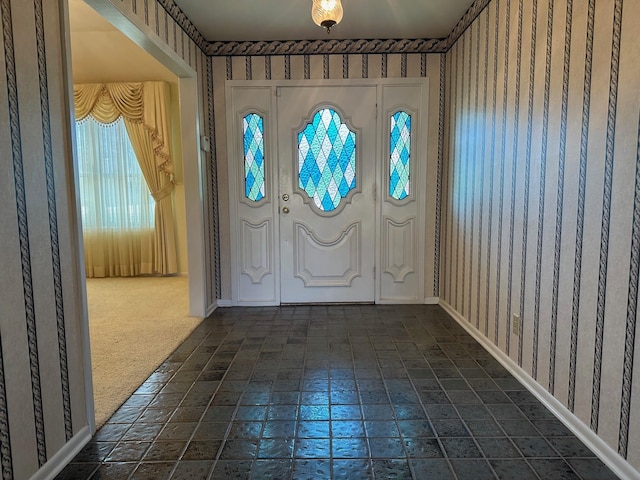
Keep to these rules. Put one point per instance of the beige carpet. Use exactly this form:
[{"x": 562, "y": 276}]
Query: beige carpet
[{"x": 135, "y": 324}]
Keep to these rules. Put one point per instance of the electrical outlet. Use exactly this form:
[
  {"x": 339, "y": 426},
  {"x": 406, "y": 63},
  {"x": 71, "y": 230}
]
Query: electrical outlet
[{"x": 515, "y": 324}]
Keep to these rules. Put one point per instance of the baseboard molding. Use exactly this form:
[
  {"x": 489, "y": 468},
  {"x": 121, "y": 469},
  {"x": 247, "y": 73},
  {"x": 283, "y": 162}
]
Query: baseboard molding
[
  {"x": 599, "y": 447},
  {"x": 223, "y": 302},
  {"x": 211, "y": 308},
  {"x": 431, "y": 300},
  {"x": 60, "y": 460}
]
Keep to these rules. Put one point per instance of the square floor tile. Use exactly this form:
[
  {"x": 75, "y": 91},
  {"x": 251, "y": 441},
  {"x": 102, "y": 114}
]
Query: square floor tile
[
  {"x": 231, "y": 470},
  {"x": 391, "y": 469},
  {"x": 512, "y": 468},
  {"x": 435, "y": 469},
  {"x": 275, "y": 448},
  {"x": 311, "y": 469},
  {"x": 196, "y": 470},
  {"x": 349, "y": 448},
  {"x": 353, "y": 469},
  {"x": 313, "y": 448},
  {"x": 202, "y": 450},
  {"x": 423, "y": 448}
]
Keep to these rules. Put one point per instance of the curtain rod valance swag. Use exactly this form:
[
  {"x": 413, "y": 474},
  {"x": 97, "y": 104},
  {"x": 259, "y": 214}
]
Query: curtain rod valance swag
[
  {"x": 143, "y": 103},
  {"x": 144, "y": 107}
]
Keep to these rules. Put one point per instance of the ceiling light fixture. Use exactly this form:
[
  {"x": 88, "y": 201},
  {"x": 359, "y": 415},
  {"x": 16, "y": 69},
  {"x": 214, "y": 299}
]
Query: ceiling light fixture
[{"x": 326, "y": 13}]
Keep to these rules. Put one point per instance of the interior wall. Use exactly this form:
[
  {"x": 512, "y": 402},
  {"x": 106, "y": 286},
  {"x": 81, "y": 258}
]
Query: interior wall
[
  {"x": 42, "y": 387},
  {"x": 300, "y": 67},
  {"x": 542, "y": 211},
  {"x": 109, "y": 56}
]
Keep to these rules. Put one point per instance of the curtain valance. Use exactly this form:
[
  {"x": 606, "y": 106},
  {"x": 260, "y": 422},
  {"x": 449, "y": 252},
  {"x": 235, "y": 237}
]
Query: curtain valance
[{"x": 143, "y": 103}]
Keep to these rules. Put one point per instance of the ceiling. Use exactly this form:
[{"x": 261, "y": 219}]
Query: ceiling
[
  {"x": 267, "y": 20},
  {"x": 83, "y": 18}
]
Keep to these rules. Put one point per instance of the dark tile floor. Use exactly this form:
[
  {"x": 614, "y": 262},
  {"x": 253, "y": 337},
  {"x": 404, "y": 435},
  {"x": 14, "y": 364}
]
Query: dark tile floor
[{"x": 342, "y": 392}]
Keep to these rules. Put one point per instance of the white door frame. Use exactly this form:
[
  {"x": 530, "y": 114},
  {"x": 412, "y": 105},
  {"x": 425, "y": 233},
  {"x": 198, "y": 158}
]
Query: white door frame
[{"x": 268, "y": 107}]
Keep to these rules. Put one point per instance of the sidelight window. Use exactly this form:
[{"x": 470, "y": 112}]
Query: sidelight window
[
  {"x": 400, "y": 155},
  {"x": 253, "y": 135}
]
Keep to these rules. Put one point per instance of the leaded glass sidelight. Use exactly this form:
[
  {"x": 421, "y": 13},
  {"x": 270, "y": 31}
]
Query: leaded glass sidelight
[
  {"x": 253, "y": 137},
  {"x": 400, "y": 155},
  {"x": 327, "y": 159}
]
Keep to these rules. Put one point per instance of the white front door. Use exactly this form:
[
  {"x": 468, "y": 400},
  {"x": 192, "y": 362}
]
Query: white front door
[{"x": 326, "y": 176}]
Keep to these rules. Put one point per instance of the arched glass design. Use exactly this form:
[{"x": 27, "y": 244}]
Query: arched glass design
[
  {"x": 253, "y": 139},
  {"x": 326, "y": 159},
  {"x": 400, "y": 155}
]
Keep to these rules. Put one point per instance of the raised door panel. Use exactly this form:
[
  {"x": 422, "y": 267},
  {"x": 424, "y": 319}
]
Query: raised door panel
[
  {"x": 402, "y": 176},
  {"x": 252, "y": 196},
  {"x": 327, "y": 263}
]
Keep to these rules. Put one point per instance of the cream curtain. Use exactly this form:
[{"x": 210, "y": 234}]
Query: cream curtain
[
  {"x": 144, "y": 108},
  {"x": 117, "y": 210}
]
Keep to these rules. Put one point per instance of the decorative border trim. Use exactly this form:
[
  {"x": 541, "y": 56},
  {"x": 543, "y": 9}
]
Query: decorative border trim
[
  {"x": 176, "y": 13},
  {"x": 326, "y": 47},
  {"x": 467, "y": 19},
  {"x": 23, "y": 229},
  {"x": 53, "y": 219},
  {"x": 597, "y": 445}
]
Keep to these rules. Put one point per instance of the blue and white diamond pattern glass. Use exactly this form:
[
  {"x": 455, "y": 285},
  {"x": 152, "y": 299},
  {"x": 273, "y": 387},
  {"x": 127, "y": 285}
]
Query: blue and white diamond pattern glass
[
  {"x": 400, "y": 155},
  {"x": 326, "y": 159},
  {"x": 253, "y": 132}
]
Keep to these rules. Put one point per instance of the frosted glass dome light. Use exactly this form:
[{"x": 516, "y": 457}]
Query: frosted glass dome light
[{"x": 326, "y": 13}]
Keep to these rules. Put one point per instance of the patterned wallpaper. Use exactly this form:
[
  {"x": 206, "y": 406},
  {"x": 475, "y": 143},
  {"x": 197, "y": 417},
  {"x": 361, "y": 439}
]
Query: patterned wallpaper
[
  {"x": 540, "y": 216},
  {"x": 41, "y": 375},
  {"x": 42, "y": 389}
]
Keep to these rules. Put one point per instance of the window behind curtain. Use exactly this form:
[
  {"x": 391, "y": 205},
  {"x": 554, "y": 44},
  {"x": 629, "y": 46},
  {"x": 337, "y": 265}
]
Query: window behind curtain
[{"x": 113, "y": 192}]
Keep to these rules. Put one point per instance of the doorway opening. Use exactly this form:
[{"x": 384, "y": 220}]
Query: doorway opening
[{"x": 127, "y": 312}]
